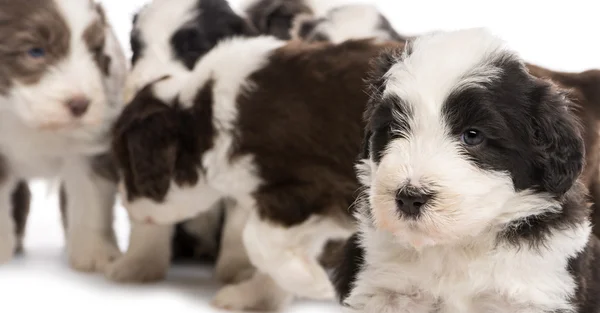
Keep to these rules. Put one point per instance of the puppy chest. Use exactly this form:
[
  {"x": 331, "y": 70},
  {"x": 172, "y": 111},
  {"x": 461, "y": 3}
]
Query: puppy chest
[{"x": 459, "y": 282}]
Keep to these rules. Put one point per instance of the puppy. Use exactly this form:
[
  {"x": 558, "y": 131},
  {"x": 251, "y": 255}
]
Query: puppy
[
  {"x": 276, "y": 17},
  {"x": 277, "y": 131},
  {"x": 352, "y": 21},
  {"x": 61, "y": 78},
  {"x": 168, "y": 38},
  {"x": 471, "y": 201}
]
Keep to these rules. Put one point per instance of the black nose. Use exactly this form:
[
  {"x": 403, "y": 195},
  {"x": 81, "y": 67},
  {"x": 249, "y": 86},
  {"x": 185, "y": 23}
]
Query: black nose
[
  {"x": 410, "y": 204},
  {"x": 78, "y": 106}
]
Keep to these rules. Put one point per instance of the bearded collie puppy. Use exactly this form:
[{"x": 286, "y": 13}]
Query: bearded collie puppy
[
  {"x": 61, "y": 77},
  {"x": 471, "y": 199}
]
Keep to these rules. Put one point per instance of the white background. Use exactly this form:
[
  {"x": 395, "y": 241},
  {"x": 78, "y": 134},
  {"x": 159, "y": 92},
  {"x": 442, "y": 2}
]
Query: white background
[{"x": 562, "y": 35}]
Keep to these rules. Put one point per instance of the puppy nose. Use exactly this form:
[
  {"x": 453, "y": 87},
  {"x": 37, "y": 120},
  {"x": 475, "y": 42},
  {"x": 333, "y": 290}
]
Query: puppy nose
[
  {"x": 78, "y": 105},
  {"x": 410, "y": 204}
]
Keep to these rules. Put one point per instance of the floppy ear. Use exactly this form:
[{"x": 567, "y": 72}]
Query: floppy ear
[
  {"x": 557, "y": 139},
  {"x": 145, "y": 144}
]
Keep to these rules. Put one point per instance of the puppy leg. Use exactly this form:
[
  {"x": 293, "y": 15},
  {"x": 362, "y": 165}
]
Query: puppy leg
[
  {"x": 387, "y": 301},
  {"x": 90, "y": 198},
  {"x": 290, "y": 255},
  {"x": 233, "y": 264},
  {"x": 7, "y": 225},
  {"x": 148, "y": 256},
  {"x": 259, "y": 293},
  {"x": 21, "y": 199}
]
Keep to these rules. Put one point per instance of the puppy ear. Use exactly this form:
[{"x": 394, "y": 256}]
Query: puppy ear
[
  {"x": 557, "y": 139},
  {"x": 145, "y": 146}
]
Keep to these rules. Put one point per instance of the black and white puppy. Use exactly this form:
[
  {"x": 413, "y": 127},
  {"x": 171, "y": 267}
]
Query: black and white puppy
[
  {"x": 471, "y": 200},
  {"x": 167, "y": 39},
  {"x": 61, "y": 77}
]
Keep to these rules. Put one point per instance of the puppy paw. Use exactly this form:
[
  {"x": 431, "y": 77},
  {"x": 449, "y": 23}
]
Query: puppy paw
[
  {"x": 91, "y": 254},
  {"x": 132, "y": 269},
  {"x": 231, "y": 270},
  {"x": 256, "y": 294},
  {"x": 7, "y": 248},
  {"x": 305, "y": 278},
  {"x": 384, "y": 301}
]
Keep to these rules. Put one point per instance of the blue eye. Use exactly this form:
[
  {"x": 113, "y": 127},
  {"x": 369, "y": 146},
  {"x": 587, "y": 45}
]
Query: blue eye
[
  {"x": 37, "y": 53},
  {"x": 472, "y": 137}
]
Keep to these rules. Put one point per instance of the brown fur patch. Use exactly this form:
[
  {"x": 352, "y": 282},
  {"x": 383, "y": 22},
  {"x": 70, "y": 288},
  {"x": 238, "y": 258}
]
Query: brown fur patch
[
  {"x": 304, "y": 126},
  {"x": 20, "y": 201},
  {"x": 104, "y": 166},
  {"x": 149, "y": 127},
  {"x": 584, "y": 90},
  {"x": 25, "y": 25},
  {"x": 95, "y": 37}
]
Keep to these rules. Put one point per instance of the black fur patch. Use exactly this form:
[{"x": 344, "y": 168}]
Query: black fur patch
[
  {"x": 135, "y": 41},
  {"x": 215, "y": 22},
  {"x": 348, "y": 268},
  {"x": 375, "y": 86},
  {"x": 528, "y": 130}
]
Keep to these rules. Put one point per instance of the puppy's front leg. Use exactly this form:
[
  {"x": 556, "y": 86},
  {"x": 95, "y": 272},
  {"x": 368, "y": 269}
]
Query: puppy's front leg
[
  {"x": 290, "y": 255},
  {"x": 259, "y": 293},
  {"x": 233, "y": 265},
  {"x": 377, "y": 291},
  {"x": 90, "y": 197},
  {"x": 148, "y": 256},
  {"x": 380, "y": 300},
  {"x": 7, "y": 225}
]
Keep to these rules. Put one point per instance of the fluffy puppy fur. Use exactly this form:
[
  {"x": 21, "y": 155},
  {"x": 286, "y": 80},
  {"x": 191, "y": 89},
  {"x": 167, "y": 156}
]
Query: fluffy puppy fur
[
  {"x": 277, "y": 131},
  {"x": 354, "y": 21},
  {"x": 168, "y": 38},
  {"x": 471, "y": 201},
  {"x": 584, "y": 90},
  {"x": 61, "y": 78}
]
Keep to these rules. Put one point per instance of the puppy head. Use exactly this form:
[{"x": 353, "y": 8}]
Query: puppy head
[
  {"x": 276, "y": 17},
  {"x": 354, "y": 21},
  {"x": 170, "y": 36},
  {"x": 58, "y": 62},
  {"x": 461, "y": 141}
]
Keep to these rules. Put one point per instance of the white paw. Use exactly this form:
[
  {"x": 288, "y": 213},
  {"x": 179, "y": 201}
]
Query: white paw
[
  {"x": 250, "y": 297},
  {"x": 387, "y": 302},
  {"x": 91, "y": 253},
  {"x": 304, "y": 278},
  {"x": 7, "y": 247},
  {"x": 137, "y": 269},
  {"x": 231, "y": 269}
]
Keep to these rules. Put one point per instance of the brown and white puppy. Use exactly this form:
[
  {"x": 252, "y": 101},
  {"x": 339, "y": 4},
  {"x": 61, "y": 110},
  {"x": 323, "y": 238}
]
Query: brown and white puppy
[
  {"x": 471, "y": 201},
  {"x": 61, "y": 75},
  {"x": 275, "y": 127},
  {"x": 168, "y": 38}
]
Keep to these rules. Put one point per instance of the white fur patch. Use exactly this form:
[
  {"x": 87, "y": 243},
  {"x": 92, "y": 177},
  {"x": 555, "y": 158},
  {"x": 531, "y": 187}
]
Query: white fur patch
[
  {"x": 290, "y": 254},
  {"x": 357, "y": 21}
]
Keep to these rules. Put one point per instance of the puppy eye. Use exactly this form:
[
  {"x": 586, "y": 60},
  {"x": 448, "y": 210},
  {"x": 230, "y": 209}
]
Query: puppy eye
[
  {"x": 36, "y": 53},
  {"x": 472, "y": 137}
]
